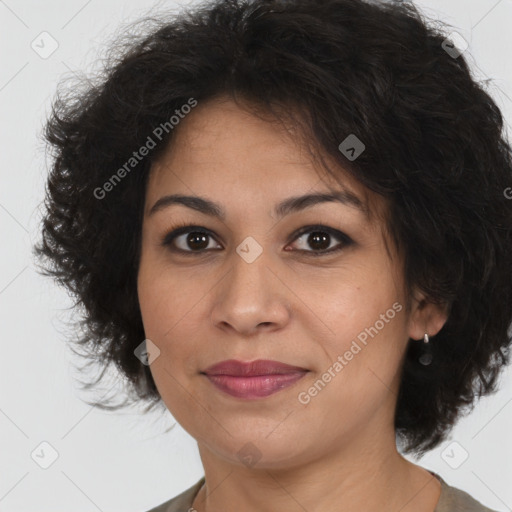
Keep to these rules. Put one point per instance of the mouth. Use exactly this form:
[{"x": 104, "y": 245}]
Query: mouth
[
  {"x": 257, "y": 379},
  {"x": 259, "y": 386},
  {"x": 252, "y": 368}
]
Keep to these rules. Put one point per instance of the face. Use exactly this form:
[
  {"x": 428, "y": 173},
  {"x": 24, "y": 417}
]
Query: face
[{"x": 252, "y": 286}]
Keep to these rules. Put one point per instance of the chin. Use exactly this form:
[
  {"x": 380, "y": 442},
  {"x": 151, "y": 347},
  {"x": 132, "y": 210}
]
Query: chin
[{"x": 258, "y": 451}]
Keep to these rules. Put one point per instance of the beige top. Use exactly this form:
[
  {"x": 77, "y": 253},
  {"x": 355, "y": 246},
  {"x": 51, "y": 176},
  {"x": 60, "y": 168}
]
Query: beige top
[{"x": 450, "y": 500}]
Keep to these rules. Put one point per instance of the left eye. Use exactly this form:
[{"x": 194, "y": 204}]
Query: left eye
[
  {"x": 196, "y": 237},
  {"x": 319, "y": 237}
]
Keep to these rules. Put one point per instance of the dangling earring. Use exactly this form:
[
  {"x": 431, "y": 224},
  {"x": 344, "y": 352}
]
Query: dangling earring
[{"x": 426, "y": 358}]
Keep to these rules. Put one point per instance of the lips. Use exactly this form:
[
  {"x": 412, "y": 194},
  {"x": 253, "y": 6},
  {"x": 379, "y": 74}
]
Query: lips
[
  {"x": 252, "y": 369},
  {"x": 253, "y": 380}
]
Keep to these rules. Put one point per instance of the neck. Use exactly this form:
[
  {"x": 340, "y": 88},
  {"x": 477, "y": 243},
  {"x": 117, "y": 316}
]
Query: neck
[{"x": 360, "y": 476}]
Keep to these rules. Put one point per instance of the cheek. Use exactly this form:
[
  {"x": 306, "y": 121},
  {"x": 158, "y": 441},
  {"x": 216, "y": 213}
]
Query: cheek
[
  {"x": 169, "y": 314},
  {"x": 366, "y": 323},
  {"x": 165, "y": 320},
  {"x": 346, "y": 303},
  {"x": 362, "y": 369},
  {"x": 163, "y": 299}
]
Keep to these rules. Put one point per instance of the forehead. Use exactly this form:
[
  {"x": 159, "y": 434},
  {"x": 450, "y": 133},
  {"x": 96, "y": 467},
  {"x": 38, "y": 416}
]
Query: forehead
[{"x": 221, "y": 149}]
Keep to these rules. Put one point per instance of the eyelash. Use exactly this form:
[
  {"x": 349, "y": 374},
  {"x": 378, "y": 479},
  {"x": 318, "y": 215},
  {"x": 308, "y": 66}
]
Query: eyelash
[{"x": 183, "y": 229}]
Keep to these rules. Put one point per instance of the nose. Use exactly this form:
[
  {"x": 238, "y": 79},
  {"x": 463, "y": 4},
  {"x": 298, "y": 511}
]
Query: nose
[{"x": 252, "y": 297}]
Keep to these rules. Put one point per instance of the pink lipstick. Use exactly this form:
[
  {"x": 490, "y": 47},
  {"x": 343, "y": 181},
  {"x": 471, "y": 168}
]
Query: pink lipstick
[{"x": 256, "y": 379}]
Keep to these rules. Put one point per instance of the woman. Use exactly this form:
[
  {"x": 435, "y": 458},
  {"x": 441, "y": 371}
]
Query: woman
[{"x": 286, "y": 221}]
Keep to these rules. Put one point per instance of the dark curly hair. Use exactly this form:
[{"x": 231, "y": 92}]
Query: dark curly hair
[{"x": 434, "y": 147}]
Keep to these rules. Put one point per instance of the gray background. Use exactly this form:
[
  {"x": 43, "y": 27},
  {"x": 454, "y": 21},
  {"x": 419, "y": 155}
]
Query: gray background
[{"x": 122, "y": 461}]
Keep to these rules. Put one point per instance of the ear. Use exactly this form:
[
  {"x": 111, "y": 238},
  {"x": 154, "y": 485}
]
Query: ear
[{"x": 426, "y": 317}]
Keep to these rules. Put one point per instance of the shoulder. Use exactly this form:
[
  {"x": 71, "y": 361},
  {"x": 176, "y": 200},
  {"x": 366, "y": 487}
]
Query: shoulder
[
  {"x": 182, "y": 502},
  {"x": 457, "y": 500}
]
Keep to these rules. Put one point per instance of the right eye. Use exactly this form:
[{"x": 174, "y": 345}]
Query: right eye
[{"x": 188, "y": 237}]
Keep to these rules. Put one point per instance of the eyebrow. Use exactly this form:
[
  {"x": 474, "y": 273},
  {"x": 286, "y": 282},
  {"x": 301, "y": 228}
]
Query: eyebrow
[{"x": 290, "y": 205}]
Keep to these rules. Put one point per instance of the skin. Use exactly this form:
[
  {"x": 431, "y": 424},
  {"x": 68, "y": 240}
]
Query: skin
[{"x": 337, "y": 452}]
